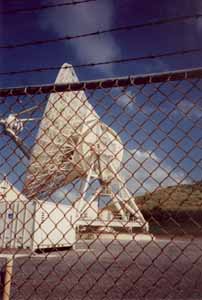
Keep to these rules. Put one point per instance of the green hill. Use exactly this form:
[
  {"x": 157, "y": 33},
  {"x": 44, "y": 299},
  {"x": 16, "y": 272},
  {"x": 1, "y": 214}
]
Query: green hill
[{"x": 179, "y": 198}]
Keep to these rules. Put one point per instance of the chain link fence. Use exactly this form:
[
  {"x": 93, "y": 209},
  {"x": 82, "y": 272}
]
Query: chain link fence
[{"x": 101, "y": 188}]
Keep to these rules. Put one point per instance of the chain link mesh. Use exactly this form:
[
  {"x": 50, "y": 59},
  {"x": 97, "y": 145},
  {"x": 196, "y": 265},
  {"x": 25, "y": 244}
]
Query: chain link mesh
[{"x": 101, "y": 188}]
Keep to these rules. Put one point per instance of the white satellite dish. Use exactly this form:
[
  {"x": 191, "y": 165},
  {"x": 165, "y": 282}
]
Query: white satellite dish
[{"x": 72, "y": 142}]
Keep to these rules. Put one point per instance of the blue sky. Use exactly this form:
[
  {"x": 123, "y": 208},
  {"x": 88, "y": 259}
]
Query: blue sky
[
  {"x": 139, "y": 122},
  {"x": 92, "y": 16}
]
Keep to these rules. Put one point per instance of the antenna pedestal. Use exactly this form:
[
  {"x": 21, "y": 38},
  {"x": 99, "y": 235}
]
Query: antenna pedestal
[{"x": 113, "y": 213}]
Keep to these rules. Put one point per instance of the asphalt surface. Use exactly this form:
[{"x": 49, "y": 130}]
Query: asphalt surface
[{"x": 160, "y": 269}]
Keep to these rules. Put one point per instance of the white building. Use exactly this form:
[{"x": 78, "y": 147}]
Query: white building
[{"x": 34, "y": 224}]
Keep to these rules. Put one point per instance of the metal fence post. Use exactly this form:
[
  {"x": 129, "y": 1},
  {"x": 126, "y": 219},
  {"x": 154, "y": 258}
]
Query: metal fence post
[{"x": 8, "y": 277}]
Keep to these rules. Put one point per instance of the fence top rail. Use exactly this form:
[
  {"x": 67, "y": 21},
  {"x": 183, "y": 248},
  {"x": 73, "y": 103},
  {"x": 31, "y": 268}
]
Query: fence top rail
[{"x": 103, "y": 83}]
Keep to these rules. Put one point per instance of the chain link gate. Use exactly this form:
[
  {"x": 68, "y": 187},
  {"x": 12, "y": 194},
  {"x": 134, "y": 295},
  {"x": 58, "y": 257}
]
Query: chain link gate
[{"x": 101, "y": 188}]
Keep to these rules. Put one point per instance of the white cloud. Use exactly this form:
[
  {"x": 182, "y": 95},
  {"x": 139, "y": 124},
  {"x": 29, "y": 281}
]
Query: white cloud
[
  {"x": 127, "y": 102},
  {"x": 84, "y": 18},
  {"x": 157, "y": 65},
  {"x": 145, "y": 171},
  {"x": 190, "y": 109}
]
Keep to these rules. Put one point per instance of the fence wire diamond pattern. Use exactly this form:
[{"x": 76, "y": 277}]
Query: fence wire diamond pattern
[{"x": 101, "y": 188}]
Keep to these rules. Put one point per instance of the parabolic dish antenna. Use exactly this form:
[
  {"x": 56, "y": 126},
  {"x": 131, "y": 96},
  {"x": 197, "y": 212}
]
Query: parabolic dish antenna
[{"x": 73, "y": 143}]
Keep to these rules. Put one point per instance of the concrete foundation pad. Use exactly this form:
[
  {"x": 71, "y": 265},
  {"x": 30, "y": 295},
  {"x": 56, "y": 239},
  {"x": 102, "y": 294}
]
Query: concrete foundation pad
[
  {"x": 144, "y": 237},
  {"x": 127, "y": 236}
]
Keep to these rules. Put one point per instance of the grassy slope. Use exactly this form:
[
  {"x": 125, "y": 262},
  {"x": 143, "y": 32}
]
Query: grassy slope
[{"x": 174, "y": 210}]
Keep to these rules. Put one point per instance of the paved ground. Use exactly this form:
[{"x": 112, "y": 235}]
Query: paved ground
[{"x": 160, "y": 269}]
